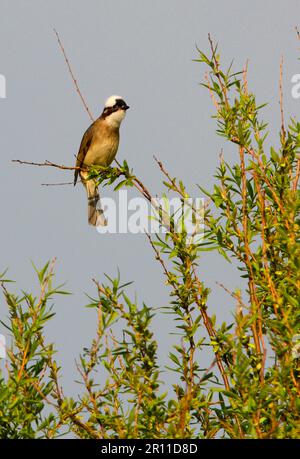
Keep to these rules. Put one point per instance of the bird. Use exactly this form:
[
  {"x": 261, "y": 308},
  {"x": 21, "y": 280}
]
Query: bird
[{"x": 99, "y": 146}]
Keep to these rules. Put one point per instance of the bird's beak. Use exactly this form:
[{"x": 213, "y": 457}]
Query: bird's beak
[{"x": 126, "y": 107}]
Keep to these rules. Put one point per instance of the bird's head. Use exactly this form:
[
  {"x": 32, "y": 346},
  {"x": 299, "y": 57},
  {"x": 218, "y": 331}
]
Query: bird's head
[{"x": 114, "y": 110}]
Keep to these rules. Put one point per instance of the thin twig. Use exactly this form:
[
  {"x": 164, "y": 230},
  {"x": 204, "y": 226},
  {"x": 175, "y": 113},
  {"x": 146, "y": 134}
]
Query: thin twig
[
  {"x": 233, "y": 295},
  {"x": 281, "y": 100},
  {"x": 217, "y": 70},
  {"x": 57, "y": 184},
  {"x": 211, "y": 93},
  {"x": 47, "y": 164},
  {"x": 73, "y": 76},
  {"x": 245, "y": 80},
  {"x": 208, "y": 370}
]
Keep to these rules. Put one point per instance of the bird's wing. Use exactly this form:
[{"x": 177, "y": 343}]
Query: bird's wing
[{"x": 84, "y": 147}]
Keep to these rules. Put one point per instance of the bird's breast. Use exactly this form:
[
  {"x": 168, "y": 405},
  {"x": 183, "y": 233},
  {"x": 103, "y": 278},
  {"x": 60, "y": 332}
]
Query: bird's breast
[{"x": 102, "y": 151}]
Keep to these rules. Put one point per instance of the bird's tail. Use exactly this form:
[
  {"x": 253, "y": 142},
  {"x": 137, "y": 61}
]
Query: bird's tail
[{"x": 95, "y": 213}]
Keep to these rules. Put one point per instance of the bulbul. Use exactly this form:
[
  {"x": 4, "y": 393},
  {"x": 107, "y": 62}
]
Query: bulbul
[{"x": 99, "y": 146}]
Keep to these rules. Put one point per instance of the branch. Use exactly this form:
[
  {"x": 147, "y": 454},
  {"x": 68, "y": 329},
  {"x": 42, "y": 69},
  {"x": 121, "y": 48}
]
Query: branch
[
  {"x": 47, "y": 163},
  {"x": 73, "y": 76},
  {"x": 58, "y": 184},
  {"x": 281, "y": 101}
]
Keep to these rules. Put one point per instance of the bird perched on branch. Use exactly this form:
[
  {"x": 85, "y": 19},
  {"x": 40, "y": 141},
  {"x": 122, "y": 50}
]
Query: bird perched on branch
[{"x": 99, "y": 147}]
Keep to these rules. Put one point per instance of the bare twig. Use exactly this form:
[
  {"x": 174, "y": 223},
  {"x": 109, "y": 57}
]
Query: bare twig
[
  {"x": 73, "y": 76},
  {"x": 47, "y": 164},
  {"x": 208, "y": 370},
  {"x": 234, "y": 295},
  {"x": 58, "y": 184}
]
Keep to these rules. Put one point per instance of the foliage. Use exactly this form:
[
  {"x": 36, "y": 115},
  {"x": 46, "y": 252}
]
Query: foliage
[{"x": 251, "y": 389}]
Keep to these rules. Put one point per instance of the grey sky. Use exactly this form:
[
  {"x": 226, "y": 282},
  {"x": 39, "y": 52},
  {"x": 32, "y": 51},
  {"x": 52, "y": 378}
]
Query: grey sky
[{"x": 142, "y": 50}]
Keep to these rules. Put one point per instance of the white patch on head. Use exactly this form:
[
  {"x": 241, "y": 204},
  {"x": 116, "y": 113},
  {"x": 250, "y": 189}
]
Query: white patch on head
[
  {"x": 115, "y": 118},
  {"x": 110, "y": 102}
]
